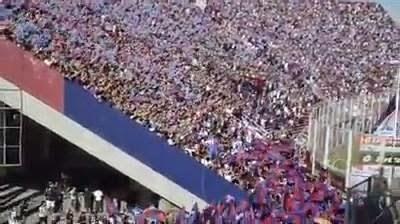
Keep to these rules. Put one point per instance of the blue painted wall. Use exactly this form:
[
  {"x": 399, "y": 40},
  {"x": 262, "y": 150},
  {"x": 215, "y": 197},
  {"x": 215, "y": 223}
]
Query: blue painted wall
[{"x": 145, "y": 146}]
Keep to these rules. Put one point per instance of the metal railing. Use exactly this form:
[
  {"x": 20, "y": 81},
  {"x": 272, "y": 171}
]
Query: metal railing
[{"x": 369, "y": 206}]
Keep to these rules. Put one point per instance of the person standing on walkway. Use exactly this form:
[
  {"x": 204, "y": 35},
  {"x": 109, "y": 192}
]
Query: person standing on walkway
[
  {"x": 98, "y": 201},
  {"x": 70, "y": 217},
  {"x": 74, "y": 199},
  {"x": 81, "y": 201},
  {"x": 88, "y": 197},
  {"x": 24, "y": 210},
  {"x": 82, "y": 218},
  {"x": 42, "y": 214},
  {"x": 13, "y": 217}
]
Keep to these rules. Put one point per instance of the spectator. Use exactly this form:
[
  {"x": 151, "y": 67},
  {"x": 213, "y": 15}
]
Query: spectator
[
  {"x": 42, "y": 214},
  {"x": 24, "y": 208},
  {"x": 70, "y": 217},
  {"x": 81, "y": 201},
  {"x": 55, "y": 219},
  {"x": 213, "y": 148},
  {"x": 98, "y": 201},
  {"x": 194, "y": 216},
  {"x": 13, "y": 218},
  {"x": 82, "y": 218},
  {"x": 88, "y": 200}
]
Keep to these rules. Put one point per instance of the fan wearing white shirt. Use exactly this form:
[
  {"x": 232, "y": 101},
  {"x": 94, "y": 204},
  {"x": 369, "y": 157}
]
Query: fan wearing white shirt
[
  {"x": 237, "y": 146},
  {"x": 13, "y": 217},
  {"x": 42, "y": 214},
  {"x": 98, "y": 200}
]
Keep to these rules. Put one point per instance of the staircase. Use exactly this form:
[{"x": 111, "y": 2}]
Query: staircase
[{"x": 12, "y": 196}]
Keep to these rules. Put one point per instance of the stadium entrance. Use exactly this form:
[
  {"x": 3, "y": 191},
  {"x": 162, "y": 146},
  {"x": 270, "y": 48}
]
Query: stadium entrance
[{"x": 47, "y": 157}]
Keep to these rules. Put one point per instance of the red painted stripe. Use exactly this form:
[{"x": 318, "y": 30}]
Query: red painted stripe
[{"x": 31, "y": 75}]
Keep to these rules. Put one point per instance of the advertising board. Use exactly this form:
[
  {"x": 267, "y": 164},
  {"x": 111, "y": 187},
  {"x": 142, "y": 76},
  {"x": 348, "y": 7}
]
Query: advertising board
[
  {"x": 377, "y": 143},
  {"x": 388, "y": 158}
]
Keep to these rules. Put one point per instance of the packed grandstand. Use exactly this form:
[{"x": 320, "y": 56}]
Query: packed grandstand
[{"x": 231, "y": 83}]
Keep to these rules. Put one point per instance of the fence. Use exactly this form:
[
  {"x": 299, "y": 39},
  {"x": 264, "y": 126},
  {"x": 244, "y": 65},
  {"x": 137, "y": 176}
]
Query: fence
[{"x": 336, "y": 128}]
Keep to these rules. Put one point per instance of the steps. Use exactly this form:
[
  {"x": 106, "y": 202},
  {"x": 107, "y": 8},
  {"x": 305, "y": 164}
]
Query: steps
[
  {"x": 4, "y": 186},
  {"x": 9, "y": 192},
  {"x": 26, "y": 195},
  {"x": 33, "y": 207},
  {"x": 32, "y": 213},
  {"x": 12, "y": 196}
]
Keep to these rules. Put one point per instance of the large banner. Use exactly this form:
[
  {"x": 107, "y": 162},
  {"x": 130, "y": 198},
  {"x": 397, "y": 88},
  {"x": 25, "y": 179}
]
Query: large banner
[
  {"x": 379, "y": 150},
  {"x": 377, "y": 143},
  {"x": 373, "y": 158}
]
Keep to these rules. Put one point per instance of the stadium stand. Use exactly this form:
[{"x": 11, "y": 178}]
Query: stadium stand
[{"x": 193, "y": 76}]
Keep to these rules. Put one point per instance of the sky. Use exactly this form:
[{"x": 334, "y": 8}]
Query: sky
[{"x": 393, "y": 7}]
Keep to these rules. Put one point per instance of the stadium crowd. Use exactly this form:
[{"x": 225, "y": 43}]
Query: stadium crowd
[
  {"x": 204, "y": 77},
  {"x": 187, "y": 76}
]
